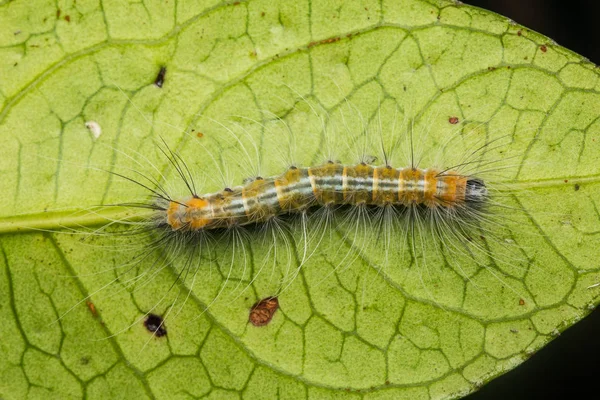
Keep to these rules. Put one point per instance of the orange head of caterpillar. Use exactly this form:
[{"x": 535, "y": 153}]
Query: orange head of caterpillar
[{"x": 192, "y": 214}]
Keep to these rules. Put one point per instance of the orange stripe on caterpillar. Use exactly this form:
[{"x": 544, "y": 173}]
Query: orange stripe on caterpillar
[{"x": 330, "y": 184}]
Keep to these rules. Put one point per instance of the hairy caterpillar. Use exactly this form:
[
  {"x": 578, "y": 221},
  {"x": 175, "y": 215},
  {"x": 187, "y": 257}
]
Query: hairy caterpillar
[
  {"x": 283, "y": 219},
  {"x": 328, "y": 185}
]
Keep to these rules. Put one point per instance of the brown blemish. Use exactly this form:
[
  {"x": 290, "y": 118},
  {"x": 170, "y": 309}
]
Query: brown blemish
[
  {"x": 92, "y": 308},
  {"x": 521, "y": 302},
  {"x": 200, "y": 134},
  {"x": 576, "y": 186},
  {"x": 58, "y": 13},
  {"x": 324, "y": 41},
  {"x": 156, "y": 325},
  {"x": 262, "y": 14},
  {"x": 68, "y": 18},
  {"x": 566, "y": 181},
  {"x": 453, "y": 120},
  {"x": 519, "y": 33},
  {"x": 262, "y": 312},
  {"x": 543, "y": 48}
]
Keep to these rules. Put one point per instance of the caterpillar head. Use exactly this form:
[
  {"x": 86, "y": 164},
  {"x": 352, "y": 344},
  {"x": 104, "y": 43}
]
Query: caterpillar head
[{"x": 476, "y": 193}]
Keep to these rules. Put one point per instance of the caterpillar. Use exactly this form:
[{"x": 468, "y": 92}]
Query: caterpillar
[
  {"x": 400, "y": 211},
  {"x": 328, "y": 185}
]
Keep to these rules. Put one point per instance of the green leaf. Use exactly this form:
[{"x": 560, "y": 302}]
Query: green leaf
[{"x": 270, "y": 72}]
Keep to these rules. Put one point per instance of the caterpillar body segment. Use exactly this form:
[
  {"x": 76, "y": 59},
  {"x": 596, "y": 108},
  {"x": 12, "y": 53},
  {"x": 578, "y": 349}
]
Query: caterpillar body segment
[{"x": 330, "y": 184}]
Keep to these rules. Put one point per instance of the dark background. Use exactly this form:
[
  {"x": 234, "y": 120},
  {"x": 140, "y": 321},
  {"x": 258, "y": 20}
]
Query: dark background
[
  {"x": 568, "y": 367},
  {"x": 571, "y": 23}
]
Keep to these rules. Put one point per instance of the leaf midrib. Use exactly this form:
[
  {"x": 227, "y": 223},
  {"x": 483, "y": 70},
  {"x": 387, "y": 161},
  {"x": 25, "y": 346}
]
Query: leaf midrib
[{"x": 69, "y": 218}]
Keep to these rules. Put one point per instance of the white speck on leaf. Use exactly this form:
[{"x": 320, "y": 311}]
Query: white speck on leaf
[{"x": 94, "y": 128}]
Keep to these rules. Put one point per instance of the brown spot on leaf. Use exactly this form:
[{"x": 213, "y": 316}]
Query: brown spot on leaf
[
  {"x": 262, "y": 312},
  {"x": 453, "y": 120},
  {"x": 543, "y": 48},
  {"x": 519, "y": 33},
  {"x": 324, "y": 41},
  {"x": 156, "y": 325},
  {"x": 92, "y": 308},
  {"x": 521, "y": 302},
  {"x": 68, "y": 18},
  {"x": 577, "y": 187}
]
